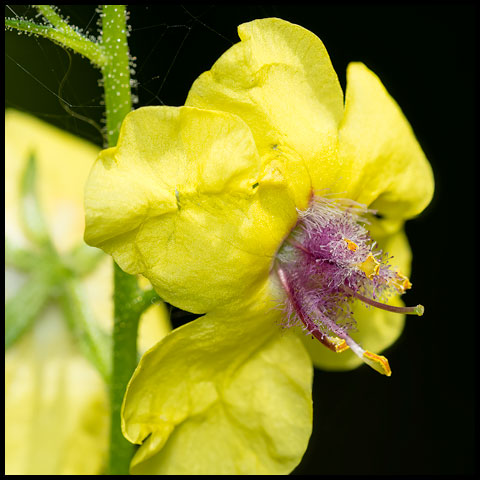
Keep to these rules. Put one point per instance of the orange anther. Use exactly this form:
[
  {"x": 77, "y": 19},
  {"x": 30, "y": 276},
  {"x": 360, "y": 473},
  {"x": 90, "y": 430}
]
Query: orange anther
[
  {"x": 350, "y": 245},
  {"x": 377, "y": 362},
  {"x": 400, "y": 282},
  {"x": 338, "y": 344},
  {"x": 370, "y": 266}
]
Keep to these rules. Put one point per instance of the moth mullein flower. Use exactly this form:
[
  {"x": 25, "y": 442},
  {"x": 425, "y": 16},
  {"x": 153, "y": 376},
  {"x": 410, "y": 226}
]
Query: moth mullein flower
[
  {"x": 56, "y": 402},
  {"x": 256, "y": 204}
]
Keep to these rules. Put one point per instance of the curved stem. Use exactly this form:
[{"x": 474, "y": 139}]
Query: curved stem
[
  {"x": 76, "y": 42},
  {"x": 50, "y": 14}
]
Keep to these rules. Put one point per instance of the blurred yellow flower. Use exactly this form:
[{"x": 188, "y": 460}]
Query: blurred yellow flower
[
  {"x": 56, "y": 402},
  {"x": 209, "y": 200}
]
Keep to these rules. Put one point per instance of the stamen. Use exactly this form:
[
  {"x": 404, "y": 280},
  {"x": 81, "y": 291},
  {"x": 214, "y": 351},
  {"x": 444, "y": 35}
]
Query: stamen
[
  {"x": 400, "y": 282},
  {"x": 352, "y": 246},
  {"x": 335, "y": 344},
  {"x": 339, "y": 343},
  {"x": 417, "y": 310},
  {"x": 377, "y": 362},
  {"x": 370, "y": 266},
  {"x": 328, "y": 259}
]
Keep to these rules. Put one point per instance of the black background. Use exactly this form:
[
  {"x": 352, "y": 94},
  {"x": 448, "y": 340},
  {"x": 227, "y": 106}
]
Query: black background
[{"x": 421, "y": 420}]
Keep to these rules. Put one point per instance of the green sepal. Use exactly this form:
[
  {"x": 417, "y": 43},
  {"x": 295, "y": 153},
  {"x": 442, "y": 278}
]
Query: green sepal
[
  {"x": 31, "y": 214},
  {"x": 23, "y": 308},
  {"x": 93, "y": 341}
]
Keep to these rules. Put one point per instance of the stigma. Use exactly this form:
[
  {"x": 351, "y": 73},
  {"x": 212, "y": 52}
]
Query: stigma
[{"x": 328, "y": 262}]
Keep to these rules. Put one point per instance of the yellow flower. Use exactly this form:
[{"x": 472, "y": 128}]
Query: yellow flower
[
  {"x": 215, "y": 203},
  {"x": 56, "y": 404}
]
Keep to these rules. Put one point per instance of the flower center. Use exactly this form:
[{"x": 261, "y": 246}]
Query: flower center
[{"x": 329, "y": 261}]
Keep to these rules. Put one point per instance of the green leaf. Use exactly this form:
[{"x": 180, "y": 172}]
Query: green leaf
[
  {"x": 24, "y": 260},
  {"x": 22, "y": 309},
  {"x": 31, "y": 214}
]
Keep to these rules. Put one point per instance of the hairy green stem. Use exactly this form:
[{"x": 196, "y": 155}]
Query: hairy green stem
[
  {"x": 124, "y": 361},
  {"x": 76, "y": 42},
  {"x": 118, "y": 103},
  {"x": 116, "y": 72},
  {"x": 50, "y": 14}
]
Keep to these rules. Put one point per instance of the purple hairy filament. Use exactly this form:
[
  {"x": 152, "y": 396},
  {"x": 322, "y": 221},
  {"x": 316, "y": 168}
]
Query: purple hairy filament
[
  {"x": 328, "y": 262},
  {"x": 310, "y": 325}
]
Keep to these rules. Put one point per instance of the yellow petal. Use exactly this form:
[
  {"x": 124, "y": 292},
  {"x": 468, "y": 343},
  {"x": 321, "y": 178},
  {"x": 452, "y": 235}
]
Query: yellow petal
[
  {"x": 182, "y": 201},
  {"x": 221, "y": 395},
  {"x": 280, "y": 81},
  {"x": 377, "y": 329},
  {"x": 388, "y": 168}
]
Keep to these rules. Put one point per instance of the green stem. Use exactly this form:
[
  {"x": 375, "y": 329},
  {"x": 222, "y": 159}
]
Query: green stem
[
  {"x": 130, "y": 302},
  {"x": 118, "y": 103},
  {"x": 116, "y": 72},
  {"x": 124, "y": 361},
  {"x": 77, "y": 42},
  {"x": 50, "y": 14}
]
